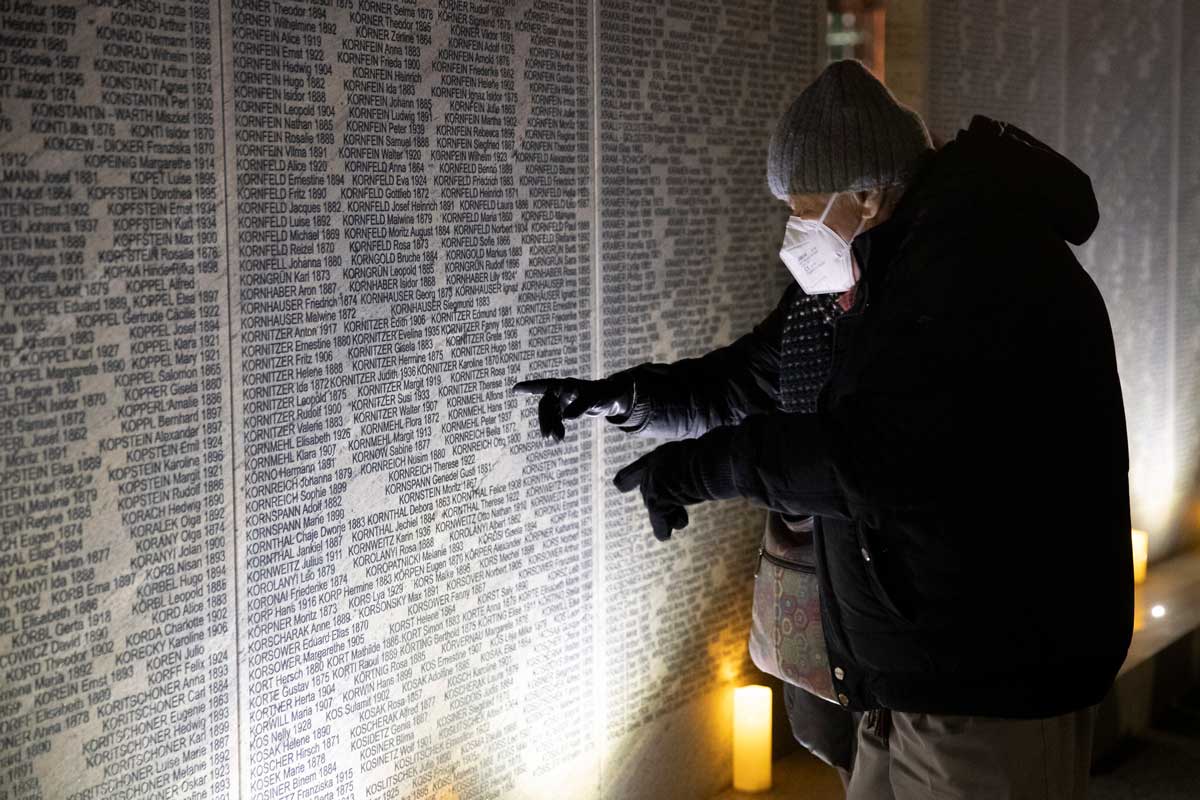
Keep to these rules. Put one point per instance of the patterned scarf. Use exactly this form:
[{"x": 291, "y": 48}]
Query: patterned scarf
[{"x": 807, "y": 351}]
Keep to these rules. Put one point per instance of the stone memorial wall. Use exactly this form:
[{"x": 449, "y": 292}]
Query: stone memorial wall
[{"x": 271, "y": 523}]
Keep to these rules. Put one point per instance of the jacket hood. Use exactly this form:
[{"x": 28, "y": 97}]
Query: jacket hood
[{"x": 1004, "y": 163}]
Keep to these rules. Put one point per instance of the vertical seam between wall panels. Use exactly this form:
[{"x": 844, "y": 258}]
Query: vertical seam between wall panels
[
  {"x": 237, "y": 628},
  {"x": 599, "y": 600},
  {"x": 1173, "y": 252}
]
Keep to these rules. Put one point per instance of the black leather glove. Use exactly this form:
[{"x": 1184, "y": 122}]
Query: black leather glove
[
  {"x": 568, "y": 398},
  {"x": 670, "y": 477}
]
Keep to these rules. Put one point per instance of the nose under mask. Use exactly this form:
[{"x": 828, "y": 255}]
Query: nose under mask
[{"x": 816, "y": 255}]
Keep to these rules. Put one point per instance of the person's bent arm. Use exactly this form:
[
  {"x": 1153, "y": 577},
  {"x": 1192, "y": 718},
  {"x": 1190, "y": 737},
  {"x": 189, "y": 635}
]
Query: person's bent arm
[
  {"x": 797, "y": 464},
  {"x": 781, "y": 461}
]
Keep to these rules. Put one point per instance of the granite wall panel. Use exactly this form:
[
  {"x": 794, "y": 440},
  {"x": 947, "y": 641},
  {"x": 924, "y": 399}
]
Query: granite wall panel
[
  {"x": 412, "y": 228},
  {"x": 688, "y": 240},
  {"x": 118, "y": 569}
]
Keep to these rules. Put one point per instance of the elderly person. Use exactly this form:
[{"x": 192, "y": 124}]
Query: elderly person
[{"x": 963, "y": 456}]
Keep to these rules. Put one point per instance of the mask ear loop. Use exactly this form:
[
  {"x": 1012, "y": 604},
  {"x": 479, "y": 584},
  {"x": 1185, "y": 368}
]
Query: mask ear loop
[
  {"x": 825, "y": 214},
  {"x": 858, "y": 230},
  {"x": 828, "y": 206}
]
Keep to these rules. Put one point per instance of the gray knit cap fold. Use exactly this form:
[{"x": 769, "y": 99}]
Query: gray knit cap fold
[{"x": 845, "y": 132}]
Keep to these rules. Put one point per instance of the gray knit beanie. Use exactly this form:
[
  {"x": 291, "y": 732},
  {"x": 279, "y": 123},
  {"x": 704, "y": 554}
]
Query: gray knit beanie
[{"x": 845, "y": 132}]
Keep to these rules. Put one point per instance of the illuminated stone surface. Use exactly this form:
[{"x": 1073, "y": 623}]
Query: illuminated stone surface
[
  {"x": 689, "y": 251},
  {"x": 273, "y": 525},
  {"x": 1002, "y": 59},
  {"x": 1187, "y": 302},
  {"x": 1121, "y": 59}
]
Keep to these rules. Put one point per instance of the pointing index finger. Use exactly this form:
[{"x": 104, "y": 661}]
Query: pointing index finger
[
  {"x": 535, "y": 386},
  {"x": 629, "y": 477}
]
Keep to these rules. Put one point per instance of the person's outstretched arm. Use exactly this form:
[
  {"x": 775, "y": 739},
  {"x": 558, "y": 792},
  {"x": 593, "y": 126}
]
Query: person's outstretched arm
[{"x": 683, "y": 399}]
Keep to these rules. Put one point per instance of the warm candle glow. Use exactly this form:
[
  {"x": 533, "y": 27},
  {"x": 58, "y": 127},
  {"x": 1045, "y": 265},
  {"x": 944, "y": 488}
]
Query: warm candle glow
[
  {"x": 1158, "y": 612},
  {"x": 752, "y": 738},
  {"x": 1141, "y": 553}
]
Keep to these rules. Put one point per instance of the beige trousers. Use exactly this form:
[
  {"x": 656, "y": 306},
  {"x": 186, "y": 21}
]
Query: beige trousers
[{"x": 937, "y": 757}]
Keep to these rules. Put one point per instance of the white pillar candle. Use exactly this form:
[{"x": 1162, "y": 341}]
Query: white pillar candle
[{"x": 752, "y": 738}]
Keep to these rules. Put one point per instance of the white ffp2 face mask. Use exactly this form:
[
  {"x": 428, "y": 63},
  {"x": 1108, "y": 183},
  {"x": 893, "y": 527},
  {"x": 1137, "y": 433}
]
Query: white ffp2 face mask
[{"x": 817, "y": 256}]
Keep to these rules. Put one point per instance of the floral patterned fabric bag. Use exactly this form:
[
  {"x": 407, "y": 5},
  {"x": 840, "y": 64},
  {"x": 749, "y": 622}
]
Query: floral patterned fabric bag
[{"x": 786, "y": 639}]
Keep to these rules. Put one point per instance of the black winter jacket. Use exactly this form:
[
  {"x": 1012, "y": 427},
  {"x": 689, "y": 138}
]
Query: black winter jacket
[{"x": 967, "y": 466}]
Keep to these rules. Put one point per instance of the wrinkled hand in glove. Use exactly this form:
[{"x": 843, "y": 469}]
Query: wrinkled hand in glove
[
  {"x": 568, "y": 398},
  {"x": 670, "y": 478}
]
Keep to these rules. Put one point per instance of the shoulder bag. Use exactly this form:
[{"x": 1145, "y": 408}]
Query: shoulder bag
[{"x": 786, "y": 639}]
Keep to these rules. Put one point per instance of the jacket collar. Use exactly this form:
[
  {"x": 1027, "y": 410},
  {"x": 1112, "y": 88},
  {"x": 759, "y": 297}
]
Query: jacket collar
[{"x": 874, "y": 249}]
